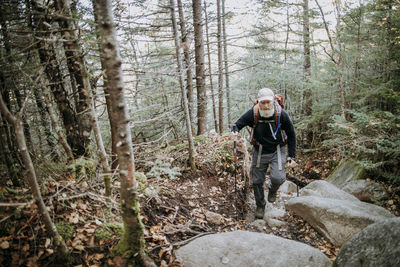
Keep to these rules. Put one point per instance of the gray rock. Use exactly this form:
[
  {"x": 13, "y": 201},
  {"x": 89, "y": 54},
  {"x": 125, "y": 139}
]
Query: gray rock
[
  {"x": 241, "y": 248},
  {"x": 347, "y": 170},
  {"x": 275, "y": 222},
  {"x": 325, "y": 190},
  {"x": 213, "y": 217},
  {"x": 259, "y": 224},
  {"x": 366, "y": 190},
  {"x": 376, "y": 245},
  {"x": 337, "y": 219},
  {"x": 288, "y": 187}
]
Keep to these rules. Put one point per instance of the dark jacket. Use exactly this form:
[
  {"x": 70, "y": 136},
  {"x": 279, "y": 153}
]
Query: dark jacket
[{"x": 263, "y": 134}]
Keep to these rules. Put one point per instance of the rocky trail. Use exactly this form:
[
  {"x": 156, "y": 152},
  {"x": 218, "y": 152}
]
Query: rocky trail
[{"x": 180, "y": 207}]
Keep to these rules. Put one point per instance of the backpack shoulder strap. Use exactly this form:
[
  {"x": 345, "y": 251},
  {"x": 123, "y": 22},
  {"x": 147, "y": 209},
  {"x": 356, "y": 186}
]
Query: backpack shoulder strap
[
  {"x": 256, "y": 115},
  {"x": 278, "y": 111}
]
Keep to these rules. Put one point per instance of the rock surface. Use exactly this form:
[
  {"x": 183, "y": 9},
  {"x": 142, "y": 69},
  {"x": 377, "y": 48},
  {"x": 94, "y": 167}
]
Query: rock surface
[
  {"x": 376, "y": 245},
  {"x": 347, "y": 170},
  {"x": 366, "y": 190},
  {"x": 241, "y": 248},
  {"x": 325, "y": 190},
  {"x": 337, "y": 219}
]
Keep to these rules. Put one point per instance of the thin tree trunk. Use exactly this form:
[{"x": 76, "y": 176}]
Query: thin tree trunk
[
  {"x": 100, "y": 145},
  {"x": 186, "y": 52},
  {"x": 227, "y": 88},
  {"x": 307, "y": 59},
  {"x": 200, "y": 78},
  {"x": 210, "y": 70},
  {"x": 54, "y": 123},
  {"x": 335, "y": 55},
  {"x": 339, "y": 66},
  {"x": 220, "y": 74},
  {"x": 52, "y": 69},
  {"x": 182, "y": 85},
  {"x": 62, "y": 250},
  {"x": 132, "y": 241},
  {"x": 114, "y": 159},
  {"x": 77, "y": 69},
  {"x": 356, "y": 64}
]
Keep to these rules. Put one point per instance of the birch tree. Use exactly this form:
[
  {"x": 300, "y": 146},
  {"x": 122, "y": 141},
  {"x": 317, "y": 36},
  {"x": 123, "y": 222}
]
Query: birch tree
[{"x": 132, "y": 243}]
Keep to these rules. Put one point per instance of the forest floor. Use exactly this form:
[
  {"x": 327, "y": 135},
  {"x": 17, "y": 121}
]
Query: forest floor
[{"x": 177, "y": 205}]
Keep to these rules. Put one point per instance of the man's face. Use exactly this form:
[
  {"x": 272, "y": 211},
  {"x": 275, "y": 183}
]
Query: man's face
[{"x": 266, "y": 104}]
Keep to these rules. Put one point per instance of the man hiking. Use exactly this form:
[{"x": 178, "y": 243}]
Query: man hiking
[{"x": 272, "y": 129}]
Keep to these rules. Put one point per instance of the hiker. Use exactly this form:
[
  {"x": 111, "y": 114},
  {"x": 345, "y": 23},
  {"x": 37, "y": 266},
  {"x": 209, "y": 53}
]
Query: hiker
[{"x": 272, "y": 127}]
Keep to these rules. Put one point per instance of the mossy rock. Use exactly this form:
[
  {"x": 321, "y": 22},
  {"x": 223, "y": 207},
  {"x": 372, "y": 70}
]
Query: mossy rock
[
  {"x": 347, "y": 170},
  {"x": 108, "y": 230},
  {"x": 65, "y": 229}
]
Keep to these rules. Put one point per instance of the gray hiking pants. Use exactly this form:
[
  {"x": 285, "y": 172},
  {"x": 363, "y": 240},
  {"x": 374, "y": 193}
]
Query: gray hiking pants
[{"x": 277, "y": 177}]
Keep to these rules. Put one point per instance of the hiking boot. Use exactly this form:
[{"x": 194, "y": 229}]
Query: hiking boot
[
  {"x": 260, "y": 212},
  {"x": 271, "y": 196}
]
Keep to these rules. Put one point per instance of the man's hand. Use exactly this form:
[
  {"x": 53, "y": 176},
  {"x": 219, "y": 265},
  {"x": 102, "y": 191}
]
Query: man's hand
[{"x": 291, "y": 163}]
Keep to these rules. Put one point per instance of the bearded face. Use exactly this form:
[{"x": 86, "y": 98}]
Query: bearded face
[{"x": 266, "y": 108}]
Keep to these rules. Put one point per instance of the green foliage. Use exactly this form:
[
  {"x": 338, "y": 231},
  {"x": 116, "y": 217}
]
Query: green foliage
[
  {"x": 108, "y": 230},
  {"x": 82, "y": 167},
  {"x": 65, "y": 229},
  {"x": 372, "y": 137},
  {"x": 142, "y": 181},
  {"x": 162, "y": 169}
]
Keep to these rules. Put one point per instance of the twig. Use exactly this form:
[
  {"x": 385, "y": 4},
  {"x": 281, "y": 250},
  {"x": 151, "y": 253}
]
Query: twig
[
  {"x": 184, "y": 242},
  {"x": 16, "y": 204}
]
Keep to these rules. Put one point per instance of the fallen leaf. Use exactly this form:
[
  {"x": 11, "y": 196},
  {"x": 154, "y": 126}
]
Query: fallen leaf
[
  {"x": 47, "y": 243},
  {"x": 4, "y": 245}
]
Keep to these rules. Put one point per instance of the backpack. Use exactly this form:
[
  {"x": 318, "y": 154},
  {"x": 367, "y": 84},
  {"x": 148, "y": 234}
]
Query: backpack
[{"x": 278, "y": 105}]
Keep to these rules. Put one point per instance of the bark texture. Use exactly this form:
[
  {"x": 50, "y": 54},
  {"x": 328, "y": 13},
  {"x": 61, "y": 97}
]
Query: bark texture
[
  {"x": 182, "y": 85},
  {"x": 132, "y": 245},
  {"x": 200, "y": 78}
]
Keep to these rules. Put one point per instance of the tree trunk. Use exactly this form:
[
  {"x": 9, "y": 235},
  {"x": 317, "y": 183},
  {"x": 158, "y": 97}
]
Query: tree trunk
[
  {"x": 132, "y": 245},
  {"x": 356, "y": 64},
  {"x": 210, "y": 70},
  {"x": 200, "y": 78},
  {"x": 61, "y": 248},
  {"x": 54, "y": 123},
  {"x": 226, "y": 70},
  {"x": 220, "y": 74},
  {"x": 339, "y": 65},
  {"x": 100, "y": 146},
  {"x": 307, "y": 59},
  {"x": 182, "y": 85},
  {"x": 48, "y": 59},
  {"x": 77, "y": 69},
  {"x": 186, "y": 51},
  {"x": 114, "y": 159}
]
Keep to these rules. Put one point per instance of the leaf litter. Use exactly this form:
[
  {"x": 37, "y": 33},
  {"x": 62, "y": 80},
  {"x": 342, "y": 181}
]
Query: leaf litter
[{"x": 175, "y": 209}]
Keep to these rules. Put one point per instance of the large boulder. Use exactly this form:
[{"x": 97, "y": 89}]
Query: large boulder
[
  {"x": 337, "y": 219},
  {"x": 346, "y": 171},
  {"x": 325, "y": 190},
  {"x": 241, "y": 248},
  {"x": 366, "y": 190},
  {"x": 376, "y": 245}
]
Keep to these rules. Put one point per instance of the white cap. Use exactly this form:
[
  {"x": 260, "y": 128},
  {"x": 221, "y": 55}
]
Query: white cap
[{"x": 265, "y": 94}]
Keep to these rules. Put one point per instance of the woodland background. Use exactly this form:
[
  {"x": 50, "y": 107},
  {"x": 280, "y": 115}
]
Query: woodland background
[{"x": 335, "y": 62}]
